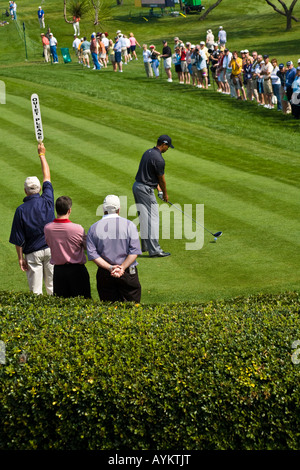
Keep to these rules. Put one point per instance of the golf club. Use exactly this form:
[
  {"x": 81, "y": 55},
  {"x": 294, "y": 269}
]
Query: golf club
[
  {"x": 216, "y": 235},
  {"x": 37, "y": 119}
]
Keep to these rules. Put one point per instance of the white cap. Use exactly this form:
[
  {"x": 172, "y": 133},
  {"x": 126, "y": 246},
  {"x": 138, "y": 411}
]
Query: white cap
[
  {"x": 298, "y": 61},
  {"x": 220, "y": 27},
  {"x": 246, "y": 50},
  {"x": 201, "y": 43},
  {"x": 32, "y": 184},
  {"x": 111, "y": 204}
]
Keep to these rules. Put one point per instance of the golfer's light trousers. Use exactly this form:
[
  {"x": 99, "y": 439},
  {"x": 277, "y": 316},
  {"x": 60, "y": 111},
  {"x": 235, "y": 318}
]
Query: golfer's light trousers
[{"x": 147, "y": 208}]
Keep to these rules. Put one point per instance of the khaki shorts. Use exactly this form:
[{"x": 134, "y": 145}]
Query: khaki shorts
[
  {"x": 268, "y": 86},
  {"x": 86, "y": 53},
  {"x": 184, "y": 67}
]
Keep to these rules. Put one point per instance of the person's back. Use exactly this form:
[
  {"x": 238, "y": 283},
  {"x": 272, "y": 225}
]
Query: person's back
[
  {"x": 27, "y": 232},
  {"x": 85, "y": 45},
  {"x": 67, "y": 241},
  {"x": 152, "y": 164},
  {"x": 113, "y": 245},
  {"x": 113, "y": 237},
  {"x": 31, "y": 217}
]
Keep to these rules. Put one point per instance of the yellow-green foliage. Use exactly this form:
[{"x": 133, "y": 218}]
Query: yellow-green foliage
[{"x": 84, "y": 375}]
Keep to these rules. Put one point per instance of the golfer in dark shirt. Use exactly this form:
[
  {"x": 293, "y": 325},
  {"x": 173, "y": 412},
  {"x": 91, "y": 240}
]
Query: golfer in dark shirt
[
  {"x": 150, "y": 176},
  {"x": 167, "y": 56}
]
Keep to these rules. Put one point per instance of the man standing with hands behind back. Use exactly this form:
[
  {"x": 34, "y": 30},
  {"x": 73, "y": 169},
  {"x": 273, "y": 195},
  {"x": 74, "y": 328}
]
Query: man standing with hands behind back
[
  {"x": 27, "y": 233},
  {"x": 150, "y": 176},
  {"x": 113, "y": 245},
  {"x": 67, "y": 242}
]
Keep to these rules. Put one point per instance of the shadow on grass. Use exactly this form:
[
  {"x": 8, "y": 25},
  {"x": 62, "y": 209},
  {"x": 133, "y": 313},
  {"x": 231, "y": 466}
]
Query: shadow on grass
[
  {"x": 139, "y": 18},
  {"x": 286, "y": 48},
  {"x": 271, "y": 116}
]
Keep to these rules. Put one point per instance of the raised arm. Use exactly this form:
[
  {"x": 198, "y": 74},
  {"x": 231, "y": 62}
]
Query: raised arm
[{"x": 44, "y": 163}]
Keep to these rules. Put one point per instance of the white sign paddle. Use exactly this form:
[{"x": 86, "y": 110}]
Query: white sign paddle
[{"x": 37, "y": 118}]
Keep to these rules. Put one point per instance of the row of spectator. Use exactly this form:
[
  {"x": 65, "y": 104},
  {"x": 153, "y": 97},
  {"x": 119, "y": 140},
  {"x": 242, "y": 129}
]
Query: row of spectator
[{"x": 241, "y": 75}]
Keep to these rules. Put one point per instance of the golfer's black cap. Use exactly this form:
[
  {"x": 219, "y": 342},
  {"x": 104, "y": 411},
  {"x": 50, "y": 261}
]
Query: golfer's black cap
[
  {"x": 165, "y": 139},
  {"x": 164, "y": 41},
  {"x": 281, "y": 66},
  {"x": 266, "y": 56}
]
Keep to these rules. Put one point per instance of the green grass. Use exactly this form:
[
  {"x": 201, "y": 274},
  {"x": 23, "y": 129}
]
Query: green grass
[{"x": 240, "y": 161}]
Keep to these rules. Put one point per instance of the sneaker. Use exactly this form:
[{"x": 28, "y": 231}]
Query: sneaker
[{"x": 170, "y": 80}]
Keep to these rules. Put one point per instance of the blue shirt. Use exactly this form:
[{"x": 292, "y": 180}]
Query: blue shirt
[
  {"x": 30, "y": 219},
  {"x": 118, "y": 46},
  {"x": 113, "y": 238},
  {"x": 201, "y": 60},
  {"x": 296, "y": 85},
  {"x": 40, "y": 13},
  {"x": 290, "y": 76}
]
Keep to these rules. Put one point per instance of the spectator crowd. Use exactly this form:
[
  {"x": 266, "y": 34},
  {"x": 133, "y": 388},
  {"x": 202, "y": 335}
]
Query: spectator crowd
[{"x": 240, "y": 74}]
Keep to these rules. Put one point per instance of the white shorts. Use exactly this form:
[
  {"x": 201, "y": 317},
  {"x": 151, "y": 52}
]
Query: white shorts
[{"x": 168, "y": 63}]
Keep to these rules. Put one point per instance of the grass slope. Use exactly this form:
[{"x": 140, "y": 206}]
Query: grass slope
[{"x": 241, "y": 162}]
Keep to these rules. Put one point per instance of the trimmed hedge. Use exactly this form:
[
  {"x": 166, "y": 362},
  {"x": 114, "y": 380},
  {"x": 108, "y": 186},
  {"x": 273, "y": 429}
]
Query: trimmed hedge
[{"x": 91, "y": 376}]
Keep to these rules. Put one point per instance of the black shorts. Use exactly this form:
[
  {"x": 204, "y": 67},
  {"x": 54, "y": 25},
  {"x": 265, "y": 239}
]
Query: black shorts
[{"x": 126, "y": 288}]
